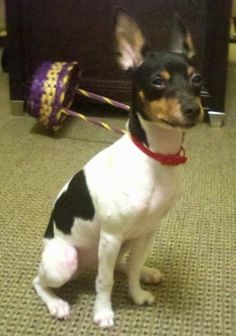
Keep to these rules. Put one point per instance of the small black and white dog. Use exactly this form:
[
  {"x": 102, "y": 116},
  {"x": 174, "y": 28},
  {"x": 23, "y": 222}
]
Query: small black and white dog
[{"x": 107, "y": 215}]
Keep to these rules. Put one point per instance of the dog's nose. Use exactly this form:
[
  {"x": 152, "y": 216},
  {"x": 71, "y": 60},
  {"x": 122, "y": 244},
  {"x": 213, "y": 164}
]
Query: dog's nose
[{"x": 192, "y": 111}]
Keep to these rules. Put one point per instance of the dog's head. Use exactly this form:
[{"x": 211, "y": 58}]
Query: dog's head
[{"x": 166, "y": 84}]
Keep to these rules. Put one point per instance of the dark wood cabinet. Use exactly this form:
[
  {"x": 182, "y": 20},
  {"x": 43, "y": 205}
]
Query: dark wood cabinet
[{"x": 81, "y": 30}]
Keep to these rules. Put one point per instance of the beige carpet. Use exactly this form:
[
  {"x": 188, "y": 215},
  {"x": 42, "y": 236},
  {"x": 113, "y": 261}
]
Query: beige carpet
[{"x": 195, "y": 248}]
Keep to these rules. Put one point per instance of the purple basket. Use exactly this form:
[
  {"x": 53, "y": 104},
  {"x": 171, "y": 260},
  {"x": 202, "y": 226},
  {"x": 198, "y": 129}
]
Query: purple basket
[{"x": 53, "y": 88}]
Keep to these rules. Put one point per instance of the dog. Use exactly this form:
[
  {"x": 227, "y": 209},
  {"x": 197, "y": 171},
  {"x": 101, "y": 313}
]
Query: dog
[{"x": 107, "y": 214}]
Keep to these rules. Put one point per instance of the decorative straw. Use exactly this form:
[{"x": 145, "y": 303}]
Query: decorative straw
[
  {"x": 103, "y": 99},
  {"x": 93, "y": 121}
]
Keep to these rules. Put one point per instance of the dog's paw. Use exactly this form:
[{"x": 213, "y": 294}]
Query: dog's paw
[
  {"x": 143, "y": 297},
  {"x": 151, "y": 275},
  {"x": 59, "y": 309},
  {"x": 104, "y": 318}
]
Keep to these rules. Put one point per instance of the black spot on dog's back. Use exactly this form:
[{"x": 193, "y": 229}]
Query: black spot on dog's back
[
  {"x": 74, "y": 202},
  {"x": 50, "y": 229}
]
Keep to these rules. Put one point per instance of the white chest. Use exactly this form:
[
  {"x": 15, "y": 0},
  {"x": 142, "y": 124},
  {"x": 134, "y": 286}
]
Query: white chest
[
  {"x": 133, "y": 195},
  {"x": 143, "y": 207}
]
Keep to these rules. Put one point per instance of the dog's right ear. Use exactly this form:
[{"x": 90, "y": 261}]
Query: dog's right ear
[{"x": 129, "y": 41}]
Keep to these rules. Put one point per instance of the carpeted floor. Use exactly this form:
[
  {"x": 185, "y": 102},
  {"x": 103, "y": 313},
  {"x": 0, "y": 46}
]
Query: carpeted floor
[{"x": 195, "y": 247}]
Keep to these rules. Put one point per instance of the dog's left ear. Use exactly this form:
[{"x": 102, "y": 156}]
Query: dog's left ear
[
  {"x": 181, "y": 40},
  {"x": 129, "y": 41}
]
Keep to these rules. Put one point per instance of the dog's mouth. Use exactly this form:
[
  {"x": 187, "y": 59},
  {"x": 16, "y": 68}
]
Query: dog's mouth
[{"x": 179, "y": 124}]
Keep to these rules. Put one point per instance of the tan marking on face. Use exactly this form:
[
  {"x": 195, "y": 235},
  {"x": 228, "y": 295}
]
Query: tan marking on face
[
  {"x": 162, "y": 109},
  {"x": 166, "y": 109},
  {"x": 165, "y": 74}
]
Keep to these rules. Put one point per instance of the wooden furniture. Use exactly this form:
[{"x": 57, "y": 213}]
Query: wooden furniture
[{"x": 81, "y": 30}]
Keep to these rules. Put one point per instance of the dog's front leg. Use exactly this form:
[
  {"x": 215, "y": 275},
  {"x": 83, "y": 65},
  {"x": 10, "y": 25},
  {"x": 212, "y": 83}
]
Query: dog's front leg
[
  {"x": 139, "y": 251},
  {"x": 109, "y": 247}
]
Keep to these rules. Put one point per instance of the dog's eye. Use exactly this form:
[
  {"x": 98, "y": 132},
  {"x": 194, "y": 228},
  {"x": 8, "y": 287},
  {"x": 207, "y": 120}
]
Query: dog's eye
[
  {"x": 159, "y": 83},
  {"x": 196, "y": 80}
]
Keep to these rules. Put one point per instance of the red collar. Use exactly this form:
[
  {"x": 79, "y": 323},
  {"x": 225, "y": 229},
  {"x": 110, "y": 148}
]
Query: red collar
[{"x": 165, "y": 159}]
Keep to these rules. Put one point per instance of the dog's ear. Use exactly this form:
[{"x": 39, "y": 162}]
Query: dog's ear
[
  {"x": 129, "y": 41},
  {"x": 181, "y": 40}
]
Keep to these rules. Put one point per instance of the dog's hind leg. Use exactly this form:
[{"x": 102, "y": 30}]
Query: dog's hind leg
[
  {"x": 58, "y": 265},
  {"x": 122, "y": 259},
  {"x": 148, "y": 275}
]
